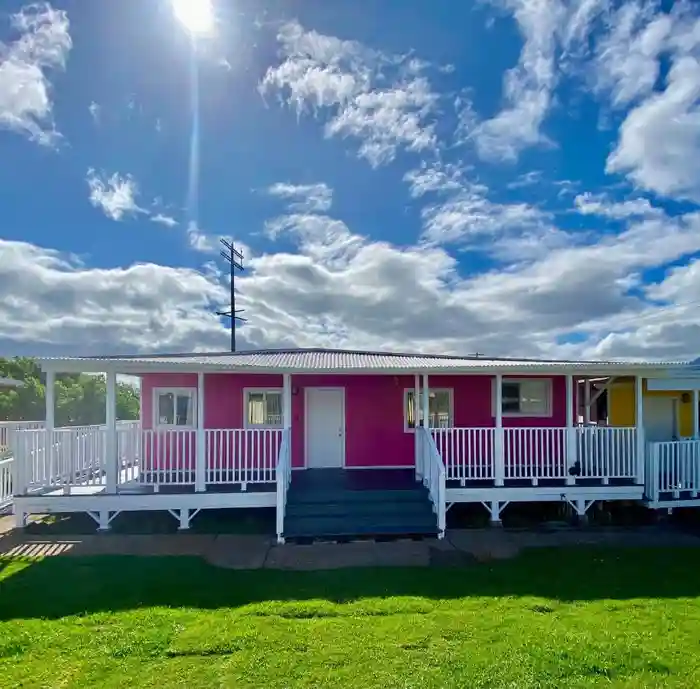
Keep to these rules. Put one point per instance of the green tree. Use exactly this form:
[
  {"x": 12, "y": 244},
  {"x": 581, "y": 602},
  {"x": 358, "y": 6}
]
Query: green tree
[{"x": 80, "y": 398}]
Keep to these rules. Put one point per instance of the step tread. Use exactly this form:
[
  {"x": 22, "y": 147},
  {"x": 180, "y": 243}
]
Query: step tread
[
  {"x": 408, "y": 495},
  {"x": 371, "y": 522},
  {"x": 362, "y": 530},
  {"x": 359, "y": 509}
]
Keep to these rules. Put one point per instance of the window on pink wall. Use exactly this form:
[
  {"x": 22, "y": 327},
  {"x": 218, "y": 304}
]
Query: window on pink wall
[
  {"x": 525, "y": 397},
  {"x": 263, "y": 408},
  {"x": 174, "y": 407},
  {"x": 440, "y": 408}
]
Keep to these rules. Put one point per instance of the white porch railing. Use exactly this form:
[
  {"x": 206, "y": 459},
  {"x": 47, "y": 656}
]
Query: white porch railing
[
  {"x": 431, "y": 469},
  {"x": 673, "y": 467},
  {"x": 242, "y": 455},
  {"x": 6, "y": 470},
  {"x": 283, "y": 479},
  {"x": 77, "y": 456},
  {"x": 535, "y": 454},
  {"x": 168, "y": 457},
  {"x": 468, "y": 453},
  {"x": 7, "y": 428},
  {"x": 607, "y": 452}
]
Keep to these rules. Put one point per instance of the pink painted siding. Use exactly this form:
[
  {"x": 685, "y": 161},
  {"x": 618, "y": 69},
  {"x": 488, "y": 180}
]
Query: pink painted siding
[{"x": 374, "y": 409}]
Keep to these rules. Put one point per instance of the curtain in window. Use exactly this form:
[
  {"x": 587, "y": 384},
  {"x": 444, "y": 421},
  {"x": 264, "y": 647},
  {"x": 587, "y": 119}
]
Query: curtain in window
[
  {"x": 175, "y": 409},
  {"x": 264, "y": 408},
  {"x": 439, "y": 411},
  {"x": 166, "y": 408}
]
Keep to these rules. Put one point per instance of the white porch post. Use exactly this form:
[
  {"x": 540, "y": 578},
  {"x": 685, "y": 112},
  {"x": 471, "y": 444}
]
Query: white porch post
[
  {"x": 200, "y": 467},
  {"x": 570, "y": 427},
  {"x": 587, "y": 401},
  {"x": 696, "y": 421},
  {"x": 639, "y": 419},
  {"x": 416, "y": 438},
  {"x": 286, "y": 401},
  {"x": 498, "y": 445},
  {"x": 426, "y": 402},
  {"x": 50, "y": 399},
  {"x": 111, "y": 468}
]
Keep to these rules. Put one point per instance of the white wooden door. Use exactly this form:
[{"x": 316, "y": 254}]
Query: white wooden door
[
  {"x": 325, "y": 428},
  {"x": 660, "y": 419}
]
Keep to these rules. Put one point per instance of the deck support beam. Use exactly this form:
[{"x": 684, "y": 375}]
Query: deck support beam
[
  {"x": 696, "y": 420},
  {"x": 495, "y": 507},
  {"x": 499, "y": 444},
  {"x": 184, "y": 516},
  {"x": 200, "y": 467},
  {"x": 111, "y": 468},
  {"x": 103, "y": 518}
]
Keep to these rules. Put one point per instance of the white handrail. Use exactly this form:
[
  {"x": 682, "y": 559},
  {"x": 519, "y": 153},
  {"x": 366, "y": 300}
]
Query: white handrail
[
  {"x": 6, "y": 469},
  {"x": 674, "y": 467},
  {"x": 433, "y": 472},
  {"x": 283, "y": 479}
]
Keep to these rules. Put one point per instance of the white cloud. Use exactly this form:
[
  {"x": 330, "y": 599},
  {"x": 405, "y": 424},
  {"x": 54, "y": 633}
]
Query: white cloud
[
  {"x": 94, "y": 109},
  {"x": 309, "y": 198},
  {"x": 25, "y": 91},
  {"x": 52, "y": 303},
  {"x": 385, "y": 120},
  {"x": 659, "y": 143},
  {"x": 319, "y": 72},
  {"x": 627, "y": 57},
  {"x": 464, "y": 214},
  {"x": 527, "y": 87},
  {"x": 163, "y": 219},
  {"x": 114, "y": 195},
  {"x": 599, "y": 204}
]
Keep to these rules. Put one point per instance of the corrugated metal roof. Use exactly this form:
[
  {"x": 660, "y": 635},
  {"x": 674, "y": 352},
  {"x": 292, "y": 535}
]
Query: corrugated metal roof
[{"x": 329, "y": 360}]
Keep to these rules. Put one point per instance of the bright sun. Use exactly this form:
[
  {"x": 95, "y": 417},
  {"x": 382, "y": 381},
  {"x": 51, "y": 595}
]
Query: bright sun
[{"x": 197, "y": 16}]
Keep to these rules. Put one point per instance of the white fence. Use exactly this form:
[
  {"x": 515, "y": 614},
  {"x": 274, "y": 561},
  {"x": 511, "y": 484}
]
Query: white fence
[
  {"x": 534, "y": 453},
  {"x": 72, "y": 457},
  {"x": 242, "y": 455},
  {"x": 431, "y": 470},
  {"x": 468, "y": 453},
  {"x": 6, "y": 468},
  {"x": 283, "y": 479},
  {"x": 607, "y": 452},
  {"x": 538, "y": 454},
  {"x": 7, "y": 428},
  {"x": 673, "y": 468}
]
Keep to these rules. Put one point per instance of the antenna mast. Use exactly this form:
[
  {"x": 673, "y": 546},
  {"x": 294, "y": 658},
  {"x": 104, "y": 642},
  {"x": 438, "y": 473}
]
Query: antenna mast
[{"x": 235, "y": 260}]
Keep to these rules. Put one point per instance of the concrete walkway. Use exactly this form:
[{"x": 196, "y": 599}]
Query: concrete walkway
[{"x": 459, "y": 548}]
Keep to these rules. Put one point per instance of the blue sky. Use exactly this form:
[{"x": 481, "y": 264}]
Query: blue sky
[{"x": 513, "y": 178}]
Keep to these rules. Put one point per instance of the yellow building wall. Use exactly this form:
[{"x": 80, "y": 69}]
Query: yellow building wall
[{"x": 621, "y": 406}]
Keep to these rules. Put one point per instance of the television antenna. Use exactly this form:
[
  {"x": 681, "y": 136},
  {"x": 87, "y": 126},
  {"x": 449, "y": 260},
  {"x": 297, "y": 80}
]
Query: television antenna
[{"x": 235, "y": 260}]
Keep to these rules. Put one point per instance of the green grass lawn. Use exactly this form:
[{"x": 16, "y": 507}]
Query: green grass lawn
[{"x": 552, "y": 618}]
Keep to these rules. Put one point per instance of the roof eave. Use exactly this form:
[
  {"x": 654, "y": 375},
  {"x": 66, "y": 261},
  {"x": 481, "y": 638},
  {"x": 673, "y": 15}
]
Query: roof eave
[{"x": 187, "y": 366}]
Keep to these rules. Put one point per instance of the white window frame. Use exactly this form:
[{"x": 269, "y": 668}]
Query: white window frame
[
  {"x": 549, "y": 411},
  {"x": 450, "y": 393},
  {"x": 246, "y": 394},
  {"x": 189, "y": 392}
]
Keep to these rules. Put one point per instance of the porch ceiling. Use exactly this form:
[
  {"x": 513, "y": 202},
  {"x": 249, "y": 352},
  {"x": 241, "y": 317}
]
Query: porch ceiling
[{"x": 348, "y": 362}]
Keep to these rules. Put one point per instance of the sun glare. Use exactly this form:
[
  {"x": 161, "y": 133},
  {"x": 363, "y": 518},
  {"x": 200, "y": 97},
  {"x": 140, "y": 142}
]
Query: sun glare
[{"x": 197, "y": 16}]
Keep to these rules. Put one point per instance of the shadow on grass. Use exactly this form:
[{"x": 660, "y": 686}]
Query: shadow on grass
[{"x": 60, "y": 586}]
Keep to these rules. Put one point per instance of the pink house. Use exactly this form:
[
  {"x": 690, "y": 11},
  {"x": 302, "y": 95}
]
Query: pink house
[{"x": 329, "y": 439}]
